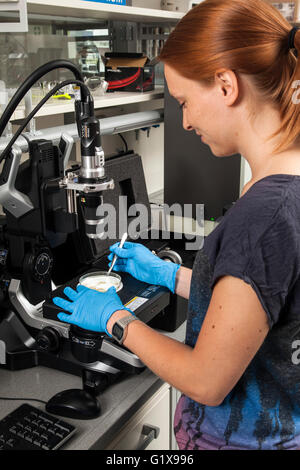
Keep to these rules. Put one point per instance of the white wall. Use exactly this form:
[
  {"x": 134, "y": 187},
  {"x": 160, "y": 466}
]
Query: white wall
[
  {"x": 246, "y": 173},
  {"x": 151, "y": 150}
]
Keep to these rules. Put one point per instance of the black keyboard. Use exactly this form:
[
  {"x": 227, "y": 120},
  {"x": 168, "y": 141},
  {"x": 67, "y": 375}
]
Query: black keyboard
[{"x": 28, "y": 428}]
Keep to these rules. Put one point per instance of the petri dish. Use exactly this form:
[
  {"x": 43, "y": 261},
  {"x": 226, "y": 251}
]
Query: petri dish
[{"x": 101, "y": 281}]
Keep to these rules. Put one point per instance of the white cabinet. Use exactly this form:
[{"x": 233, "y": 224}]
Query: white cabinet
[
  {"x": 175, "y": 396},
  {"x": 154, "y": 417}
]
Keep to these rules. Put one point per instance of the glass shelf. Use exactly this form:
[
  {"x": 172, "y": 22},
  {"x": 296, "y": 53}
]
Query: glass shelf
[{"x": 94, "y": 10}]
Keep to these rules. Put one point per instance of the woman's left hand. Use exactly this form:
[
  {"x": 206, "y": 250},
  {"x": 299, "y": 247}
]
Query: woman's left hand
[{"x": 89, "y": 308}]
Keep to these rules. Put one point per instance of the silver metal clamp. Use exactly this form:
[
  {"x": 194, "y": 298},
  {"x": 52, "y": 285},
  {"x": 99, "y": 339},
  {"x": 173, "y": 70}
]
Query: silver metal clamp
[
  {"x": 14, "y": 201},
  {"x": 70, "y": 181}
]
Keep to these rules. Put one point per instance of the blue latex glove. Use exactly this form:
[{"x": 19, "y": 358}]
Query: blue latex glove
[
  {"x": 142, "y": 264},
  {"x": 90, "y": 309}
]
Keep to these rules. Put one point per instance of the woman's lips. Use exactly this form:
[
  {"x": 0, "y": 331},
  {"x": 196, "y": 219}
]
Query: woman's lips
[{"x": 200, "y": 135}]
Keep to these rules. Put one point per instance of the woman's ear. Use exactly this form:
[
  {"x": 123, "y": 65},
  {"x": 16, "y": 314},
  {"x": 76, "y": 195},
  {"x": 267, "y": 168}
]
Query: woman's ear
[{"x": 228, "y": 86}]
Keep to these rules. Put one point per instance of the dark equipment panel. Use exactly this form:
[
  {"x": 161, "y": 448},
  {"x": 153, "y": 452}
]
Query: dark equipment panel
[{"x": 193, "y": 175}]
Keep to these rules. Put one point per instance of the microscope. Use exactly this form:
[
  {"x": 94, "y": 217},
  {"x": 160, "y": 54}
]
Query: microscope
[{"x": 50, "y": 235}]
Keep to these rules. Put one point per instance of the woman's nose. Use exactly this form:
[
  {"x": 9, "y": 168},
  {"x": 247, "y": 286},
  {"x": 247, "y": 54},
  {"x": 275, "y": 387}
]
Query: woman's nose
[{"x": 186, "y": 124}]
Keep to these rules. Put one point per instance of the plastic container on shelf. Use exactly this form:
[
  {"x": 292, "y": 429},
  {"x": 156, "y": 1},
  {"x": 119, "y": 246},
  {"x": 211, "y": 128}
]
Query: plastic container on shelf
[{"x": 3, "y": 97}]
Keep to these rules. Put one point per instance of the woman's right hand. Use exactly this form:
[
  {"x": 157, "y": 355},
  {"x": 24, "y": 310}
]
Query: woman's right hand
[{"x": 141, "y": 263}]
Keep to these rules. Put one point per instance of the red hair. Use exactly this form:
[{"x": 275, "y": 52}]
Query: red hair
[{"x": 246, "y": 36}]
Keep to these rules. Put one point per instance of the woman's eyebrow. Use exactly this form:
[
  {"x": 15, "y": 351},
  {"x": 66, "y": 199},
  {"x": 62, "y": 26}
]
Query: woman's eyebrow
[{"x": 177, "y": 97}]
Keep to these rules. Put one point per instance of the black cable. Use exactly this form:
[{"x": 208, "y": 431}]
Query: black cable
[
  {"x": 24, "y": 399},
  {"x": 30, "y": 81},
  {"x": 35, "y": 110},
  {"x": 125, "y": 143}
]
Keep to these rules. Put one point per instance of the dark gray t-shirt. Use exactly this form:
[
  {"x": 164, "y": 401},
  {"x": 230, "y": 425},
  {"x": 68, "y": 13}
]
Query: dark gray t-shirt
[{"x": 257, "y": 241}]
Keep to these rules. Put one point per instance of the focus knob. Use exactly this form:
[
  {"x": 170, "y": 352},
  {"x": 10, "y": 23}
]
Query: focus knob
[
  {"x": 42, "y": 265},
  {"x": 170, "y": 255},
  {"x": 48, "y": 340}
]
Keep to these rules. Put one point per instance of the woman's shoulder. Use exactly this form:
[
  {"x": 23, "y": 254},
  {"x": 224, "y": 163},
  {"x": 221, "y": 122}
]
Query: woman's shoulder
[
  {"x": 265, "y": 204},
  {"x": 261, "y": 219},
  {"x": 273, "y": 182},
  {"x": 264, "y": 198}
]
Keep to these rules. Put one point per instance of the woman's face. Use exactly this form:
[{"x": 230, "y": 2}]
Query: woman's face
[{"x": 205, "y": 110}]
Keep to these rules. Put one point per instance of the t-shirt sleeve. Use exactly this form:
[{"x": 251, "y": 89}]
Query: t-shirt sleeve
[{"x": 269, "y": 263}]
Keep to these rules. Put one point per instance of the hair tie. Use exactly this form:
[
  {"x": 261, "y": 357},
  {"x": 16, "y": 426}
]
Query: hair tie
[{"x": 292, "y": 35}]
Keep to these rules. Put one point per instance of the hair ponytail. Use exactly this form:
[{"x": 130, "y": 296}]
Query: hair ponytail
[
  {"x": 289, "y": 105},
  {"x": 246, "y": 36}
]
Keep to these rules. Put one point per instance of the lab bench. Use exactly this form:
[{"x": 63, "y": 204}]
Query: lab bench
[{"x": 124, "y": 405}]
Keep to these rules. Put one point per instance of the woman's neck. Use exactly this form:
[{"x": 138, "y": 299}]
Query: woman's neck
[{"x": 256, "y": 146}]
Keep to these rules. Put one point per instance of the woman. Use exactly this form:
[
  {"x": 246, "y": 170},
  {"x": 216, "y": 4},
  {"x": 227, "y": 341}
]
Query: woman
[{"x": 231, "y": 65}]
